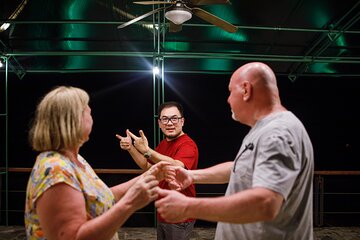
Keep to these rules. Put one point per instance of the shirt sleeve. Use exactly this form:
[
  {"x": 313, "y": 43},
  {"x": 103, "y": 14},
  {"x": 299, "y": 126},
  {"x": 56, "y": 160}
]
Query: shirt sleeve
[
  {"x": 187, "y": 153},
  {"x": 51, "y": 171},
  {"x": 277, "y": 165}
]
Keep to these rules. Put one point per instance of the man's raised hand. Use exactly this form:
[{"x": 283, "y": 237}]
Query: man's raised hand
[
  {"x": 140, "y": 143},
  {"x": 125, "y": 142}
]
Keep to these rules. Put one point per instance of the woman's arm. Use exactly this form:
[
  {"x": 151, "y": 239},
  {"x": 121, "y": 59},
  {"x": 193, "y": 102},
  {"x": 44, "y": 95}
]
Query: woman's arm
[{"x": 62, "y": 211}]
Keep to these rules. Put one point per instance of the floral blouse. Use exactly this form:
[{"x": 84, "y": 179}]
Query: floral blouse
[{"x": 52, "y": 168}]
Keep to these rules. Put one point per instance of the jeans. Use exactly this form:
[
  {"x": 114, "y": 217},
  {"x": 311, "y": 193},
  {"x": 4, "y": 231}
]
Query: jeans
[{"x": 172, "y": 231}]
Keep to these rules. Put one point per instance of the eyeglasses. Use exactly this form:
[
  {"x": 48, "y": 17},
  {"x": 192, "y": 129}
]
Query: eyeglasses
[{"x": 173, "y": 119}]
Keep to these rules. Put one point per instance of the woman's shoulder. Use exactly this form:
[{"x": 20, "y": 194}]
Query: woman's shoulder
[
  {"x": 51, "y": 168},
  {"x": 52, "y": 160}
]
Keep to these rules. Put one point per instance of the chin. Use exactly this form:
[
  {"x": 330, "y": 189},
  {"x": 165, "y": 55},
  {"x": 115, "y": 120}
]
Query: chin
[
  {"x": 234, "y": 117},
  {"x": 172, "y": 136},
  {"x": 85, "y": 139}
]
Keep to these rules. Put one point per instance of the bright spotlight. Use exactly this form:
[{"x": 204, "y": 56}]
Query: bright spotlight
[{"x": 156, "y": 70}]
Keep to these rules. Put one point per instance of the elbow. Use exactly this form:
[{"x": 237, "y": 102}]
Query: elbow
[
  {"x": 270, "y": 214},
  {"x": 271, "y": 207},
  {"x": 145, "y": 166}
]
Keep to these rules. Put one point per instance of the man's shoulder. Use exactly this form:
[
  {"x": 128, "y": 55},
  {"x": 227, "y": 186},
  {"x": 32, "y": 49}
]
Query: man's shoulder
[{"x": 187, "y": 139}]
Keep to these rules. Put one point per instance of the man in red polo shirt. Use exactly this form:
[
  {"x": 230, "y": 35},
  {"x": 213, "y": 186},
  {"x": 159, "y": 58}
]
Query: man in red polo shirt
[{"x": 178, "y": 149}]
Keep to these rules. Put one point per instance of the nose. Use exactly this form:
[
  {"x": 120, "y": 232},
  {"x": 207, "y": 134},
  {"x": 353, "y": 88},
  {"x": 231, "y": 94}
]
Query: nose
[{"x": 169, "y": 122}]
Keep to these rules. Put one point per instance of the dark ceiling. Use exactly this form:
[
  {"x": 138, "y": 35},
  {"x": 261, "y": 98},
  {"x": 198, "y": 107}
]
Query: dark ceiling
[{"x": 298, "y": 37}]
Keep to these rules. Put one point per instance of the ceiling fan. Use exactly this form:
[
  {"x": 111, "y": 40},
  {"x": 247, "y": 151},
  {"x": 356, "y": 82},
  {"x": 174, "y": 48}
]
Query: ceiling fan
[
  {"x": 13, "y": 16},
  {"x": 181, "y": 11}
]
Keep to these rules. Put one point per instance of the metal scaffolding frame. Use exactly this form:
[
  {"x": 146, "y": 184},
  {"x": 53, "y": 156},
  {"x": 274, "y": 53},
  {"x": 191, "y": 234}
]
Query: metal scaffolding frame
[
  {"x": 4, "y": 170},
  {"x": 300, "y": 62},
  {"x": 159, "y": 56}
]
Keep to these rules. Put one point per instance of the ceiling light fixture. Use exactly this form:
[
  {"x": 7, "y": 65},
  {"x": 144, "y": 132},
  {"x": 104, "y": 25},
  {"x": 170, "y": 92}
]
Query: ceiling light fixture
[
  {"x": 178, "y": 14},
  {"x": 4, "y": 26}
]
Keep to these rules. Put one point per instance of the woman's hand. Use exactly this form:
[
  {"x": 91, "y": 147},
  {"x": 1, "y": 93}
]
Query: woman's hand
[
  {"x": 144, "y": 191},
  {"x": 162, "y": 171}
]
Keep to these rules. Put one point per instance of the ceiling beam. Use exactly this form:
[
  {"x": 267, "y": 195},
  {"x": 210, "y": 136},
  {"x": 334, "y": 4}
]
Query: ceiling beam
[
  {"x": 248, "y": 27},
  {"x": 194, "y": 55}
]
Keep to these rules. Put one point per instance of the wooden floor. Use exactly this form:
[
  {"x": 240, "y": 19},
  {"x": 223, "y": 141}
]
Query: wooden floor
[{"x": 321, "y": 233}]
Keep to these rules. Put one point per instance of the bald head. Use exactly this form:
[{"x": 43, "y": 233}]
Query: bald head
[
  {"x": 253, "y": 92},
  {"x": 256, "y": 73},
  {"x": 261, "y": 78}
]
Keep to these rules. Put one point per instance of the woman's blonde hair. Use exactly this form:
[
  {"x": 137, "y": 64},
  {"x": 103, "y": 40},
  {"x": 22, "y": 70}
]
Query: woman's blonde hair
[{"x": 58, "y": 120}]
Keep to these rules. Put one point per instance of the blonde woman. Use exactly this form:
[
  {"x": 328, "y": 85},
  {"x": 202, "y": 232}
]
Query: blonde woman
[{"x": 65, "y": 199}]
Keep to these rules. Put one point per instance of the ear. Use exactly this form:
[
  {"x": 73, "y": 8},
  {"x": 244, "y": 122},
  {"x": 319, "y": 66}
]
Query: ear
[{"x": 247, "y": 90}]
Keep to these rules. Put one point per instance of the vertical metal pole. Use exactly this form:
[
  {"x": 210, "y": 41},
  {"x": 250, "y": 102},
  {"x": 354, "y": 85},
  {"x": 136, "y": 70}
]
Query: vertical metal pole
[
  {"x": 158, "y": 79},
  {"x": 6, "y": 146}
]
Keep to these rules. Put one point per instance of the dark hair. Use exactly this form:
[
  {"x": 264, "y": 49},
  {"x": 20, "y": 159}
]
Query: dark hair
[{"x": 171, "y": 104}]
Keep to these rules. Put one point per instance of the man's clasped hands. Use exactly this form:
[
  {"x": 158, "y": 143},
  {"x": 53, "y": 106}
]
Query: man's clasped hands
[{"x": 171, "y": 204}]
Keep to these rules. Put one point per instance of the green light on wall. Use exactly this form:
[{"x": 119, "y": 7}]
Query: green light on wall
[
  {"x": 228, "y": 15},
  {"x": 340, "y": 41},
  {"x": 318, "y": 14},
  {"x": 321, "y": 68},
  {"x": 75, "y": 10},
  {"x": 216, "y": 64},
  {"x": 238, "y": 36},
  {"x": 176, "y": 46},
  {"x": 223, "y": 11}
]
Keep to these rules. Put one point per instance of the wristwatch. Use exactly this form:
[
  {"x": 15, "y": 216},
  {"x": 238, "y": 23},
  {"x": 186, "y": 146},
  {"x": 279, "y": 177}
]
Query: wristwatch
[{"x": 147, "y": 154}]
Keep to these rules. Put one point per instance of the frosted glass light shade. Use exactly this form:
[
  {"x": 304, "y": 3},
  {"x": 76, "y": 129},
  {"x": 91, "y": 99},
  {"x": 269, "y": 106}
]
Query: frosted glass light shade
[
  {"x": 178, "y": 16},
  {"x": 4, "y": 26}
]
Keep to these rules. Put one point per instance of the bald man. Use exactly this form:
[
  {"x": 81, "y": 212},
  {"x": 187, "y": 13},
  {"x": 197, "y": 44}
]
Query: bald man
[{"x": 269, "y": 193}]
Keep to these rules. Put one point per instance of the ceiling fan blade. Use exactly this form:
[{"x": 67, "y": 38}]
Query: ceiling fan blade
[
  {"x": 140, "y": 17},
  {"x": 153, "y": 2},
  {"x": 214, "y": 20},
  {"x": 174, "y": 27},
  {"x": 208, "y": 2},
  {"x": 5, "y": 25}
]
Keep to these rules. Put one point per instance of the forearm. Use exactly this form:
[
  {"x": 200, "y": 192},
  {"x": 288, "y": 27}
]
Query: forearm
[
  {"x": 158, "y": 157},
  {"x": 106, "y": 225},
  {"x": 213, "y": 175},
  {"x": 120, "y": 189},
  {"x": 139, "y": 158},
  {"x": 243, "y": 207}
]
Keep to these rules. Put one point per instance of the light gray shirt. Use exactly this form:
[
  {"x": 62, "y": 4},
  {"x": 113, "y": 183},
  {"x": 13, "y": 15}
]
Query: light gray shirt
[{"x": 276, "y": 154}]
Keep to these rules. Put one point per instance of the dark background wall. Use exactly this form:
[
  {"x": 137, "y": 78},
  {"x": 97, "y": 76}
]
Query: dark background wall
[{"x": 328, "y": 108}]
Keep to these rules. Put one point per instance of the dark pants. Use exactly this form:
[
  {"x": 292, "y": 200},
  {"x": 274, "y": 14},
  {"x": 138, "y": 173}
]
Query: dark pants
[{"x": 179, "y": 231}]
